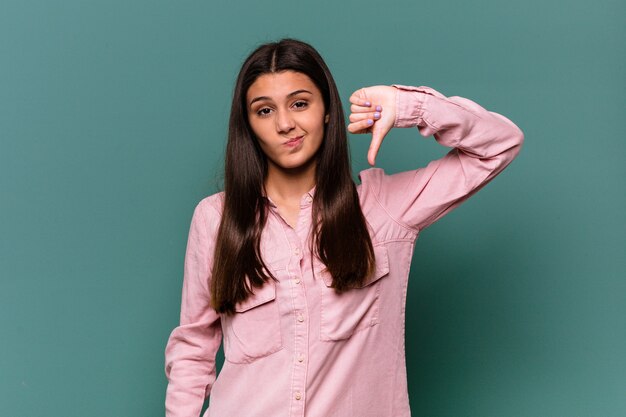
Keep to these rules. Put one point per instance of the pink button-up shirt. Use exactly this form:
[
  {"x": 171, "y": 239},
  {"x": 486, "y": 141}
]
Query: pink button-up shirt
[{"x": 295, "y": 348}]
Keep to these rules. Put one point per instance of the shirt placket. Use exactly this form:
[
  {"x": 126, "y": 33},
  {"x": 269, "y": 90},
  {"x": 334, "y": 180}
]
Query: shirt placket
[{"x": 299, "y": 258}]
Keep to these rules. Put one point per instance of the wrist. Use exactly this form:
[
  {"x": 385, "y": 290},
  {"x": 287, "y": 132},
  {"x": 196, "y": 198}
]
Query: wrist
[{"x": 409, "y": 106}]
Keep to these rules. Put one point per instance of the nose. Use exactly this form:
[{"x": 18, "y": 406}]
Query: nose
[{"x": 284, "y": 121}]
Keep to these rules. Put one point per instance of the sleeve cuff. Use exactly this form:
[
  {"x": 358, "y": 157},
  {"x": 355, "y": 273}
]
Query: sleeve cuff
[{"x": 410, "y": 104}]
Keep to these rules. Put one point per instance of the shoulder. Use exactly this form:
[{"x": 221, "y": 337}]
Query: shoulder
[
  {"x": 369, "y": 189},
  {"x": 381, "y": 196},
  {"x": 376, "y": 181},
  {"x": 370, "y": 180},
  {"x": 208, "y": 212},
  {"x": 212, "y": 203}
]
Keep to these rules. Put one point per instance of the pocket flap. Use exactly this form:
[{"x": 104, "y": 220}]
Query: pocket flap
[
  {"x": 382, "y": 268},
  {"x": 259, "y": 296}
]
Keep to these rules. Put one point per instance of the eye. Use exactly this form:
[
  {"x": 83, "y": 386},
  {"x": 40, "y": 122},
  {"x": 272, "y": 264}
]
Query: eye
[
  {"x": 263, "y": 112},
  {"x": 300, "y": 104}
]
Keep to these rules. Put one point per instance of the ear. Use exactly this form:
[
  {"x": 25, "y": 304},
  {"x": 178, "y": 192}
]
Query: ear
[{"x": 326, "y": 118}]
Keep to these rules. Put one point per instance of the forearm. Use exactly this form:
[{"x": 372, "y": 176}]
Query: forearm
[
  {"x": 457, "y": 122},
  {"x": 190, "y": 368},
  {"x": 192, "y": 346},
  {"x": 483, "y": 143}
]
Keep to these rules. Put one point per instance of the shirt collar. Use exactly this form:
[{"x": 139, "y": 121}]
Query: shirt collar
[{"x": 307, "y": 198}]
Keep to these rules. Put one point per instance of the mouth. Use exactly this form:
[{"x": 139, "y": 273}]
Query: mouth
[{"x": 293, "y": 142}]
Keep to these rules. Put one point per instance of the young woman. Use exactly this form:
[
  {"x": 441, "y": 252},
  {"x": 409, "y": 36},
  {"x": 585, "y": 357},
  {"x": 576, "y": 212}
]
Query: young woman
[{"x": 302, "y": 273}]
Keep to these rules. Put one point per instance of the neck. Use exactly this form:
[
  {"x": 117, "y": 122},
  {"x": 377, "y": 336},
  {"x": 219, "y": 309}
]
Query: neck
[{"x": 289, "y": 184}]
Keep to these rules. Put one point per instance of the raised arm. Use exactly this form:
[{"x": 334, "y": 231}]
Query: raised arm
[
  {"x": 483, "y": 143},
  {"x": 192, "y": 346}
]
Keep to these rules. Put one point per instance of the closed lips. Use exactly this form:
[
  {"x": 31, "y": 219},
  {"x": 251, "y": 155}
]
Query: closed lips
[{"x": 292, "y": 140}]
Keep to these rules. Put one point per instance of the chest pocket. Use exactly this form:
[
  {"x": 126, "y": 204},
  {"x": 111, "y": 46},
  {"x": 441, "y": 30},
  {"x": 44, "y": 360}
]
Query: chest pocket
[
  {"x": 253, "y": 331},
  {"x": 356, "y": 309}
]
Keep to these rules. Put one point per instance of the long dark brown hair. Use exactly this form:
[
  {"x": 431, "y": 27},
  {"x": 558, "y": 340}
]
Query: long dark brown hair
[{"x": 339, "y": 236}]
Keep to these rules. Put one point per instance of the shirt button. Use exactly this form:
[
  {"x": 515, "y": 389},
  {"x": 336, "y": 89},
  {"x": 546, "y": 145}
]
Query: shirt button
[
  {"x": 298, "y": 396},
  {"x": 296, "y": 251},
  {"x": 301, "y": 358},
  {"x": 296, "y": 280},
  {"x": 300, "y": 318},
  {"x": 308, "y": 199}
]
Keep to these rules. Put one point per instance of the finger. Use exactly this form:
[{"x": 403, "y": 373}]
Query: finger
[
  {"x": 359, "y": 98},
  {"x": 357, "y": 117},
  {"x": 360, "y": 126},
  {"x": 372, "y": 152},
  {"x": 377, "y": 140},
  {"x": 354, "y": 108}
]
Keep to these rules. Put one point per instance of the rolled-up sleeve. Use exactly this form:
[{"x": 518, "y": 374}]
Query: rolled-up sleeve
[
  {"x": 192, "y": 346},
  {"x": 483, "y": 143}
]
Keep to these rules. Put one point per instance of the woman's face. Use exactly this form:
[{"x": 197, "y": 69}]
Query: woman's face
[{"x": 286, "y": 112}]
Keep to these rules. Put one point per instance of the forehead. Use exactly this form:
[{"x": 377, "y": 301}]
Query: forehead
[{"x": 278, "y": 85}]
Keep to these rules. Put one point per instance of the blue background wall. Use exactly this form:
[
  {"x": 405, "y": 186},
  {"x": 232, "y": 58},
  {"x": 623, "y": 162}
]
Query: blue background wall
[{"x": 112, "y": 123}]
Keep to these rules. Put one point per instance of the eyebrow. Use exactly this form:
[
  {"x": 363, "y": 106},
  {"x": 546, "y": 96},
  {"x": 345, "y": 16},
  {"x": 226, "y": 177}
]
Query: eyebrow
[{"x": 269, "y": 98}]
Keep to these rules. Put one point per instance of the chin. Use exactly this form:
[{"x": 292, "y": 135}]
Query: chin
[{"x": 294, "y": 165}]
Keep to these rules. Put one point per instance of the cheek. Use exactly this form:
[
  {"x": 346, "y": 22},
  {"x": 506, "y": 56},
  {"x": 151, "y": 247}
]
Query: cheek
[
  {"x": 266, "y": 147},
  {"x": 316, "y": 124},
  {"x": 260, "y": 132},
  {"x": 321, "y": 131}
]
